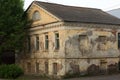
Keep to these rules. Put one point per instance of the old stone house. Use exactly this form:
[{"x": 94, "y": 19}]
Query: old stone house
[{"x": 66, "y": 39}]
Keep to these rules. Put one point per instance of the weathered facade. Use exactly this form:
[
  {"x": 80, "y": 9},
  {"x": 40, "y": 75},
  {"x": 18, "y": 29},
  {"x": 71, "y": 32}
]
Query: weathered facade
[{"x": 65, "y": 39}]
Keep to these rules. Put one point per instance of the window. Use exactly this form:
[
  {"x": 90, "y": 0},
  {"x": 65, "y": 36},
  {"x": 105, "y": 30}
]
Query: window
[
  {"x": 103, "y": 66},
  {"x": 83, "y": 40},
  {"x": 36, "y": 16},
  {"x": 84, "y": 44},
  {"x": 57, "y": 44},
  {"x": 28, "y": 67},
  {"x": 102, "y": 38},
  {"x": 46, "y": 67},
  {"x": 118, "y": 40},
  {"x": 81, "y": 37},
  {"x": 46, "y": 42},
  {"x": 29, "y": 44},
  {"x": 37, "y": 43},
  {"x": 55, "y": 68},
  {"x": 37, "y": 67}
]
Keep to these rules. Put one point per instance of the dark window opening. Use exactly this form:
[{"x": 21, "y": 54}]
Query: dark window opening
[
  {"x": 46, "y": 67},
  {"x": 46, "y": 42},
  {"x": 81, "y": 37},
  {"x": 37, "y": 43},
  {"x": 37, "y": 67},
  {"x": 28, "y": 67},
  {"x": 102, "y": 38},
  {"x": 57, "y": 43},
  {"x": 55, "y": 69},
  {"x": 29, "y": 44},
  {"x": 118, "y": 40}
]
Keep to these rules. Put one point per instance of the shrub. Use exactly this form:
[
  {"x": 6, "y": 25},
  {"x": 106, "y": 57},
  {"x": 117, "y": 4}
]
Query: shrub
[{"x": 10, "y": 71}]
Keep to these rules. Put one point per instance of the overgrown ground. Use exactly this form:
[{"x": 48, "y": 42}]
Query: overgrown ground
[
  {"x": 28, "y": 77},
  {"x": 101, "y": 77},
  {"x": 32, "y": 78}
]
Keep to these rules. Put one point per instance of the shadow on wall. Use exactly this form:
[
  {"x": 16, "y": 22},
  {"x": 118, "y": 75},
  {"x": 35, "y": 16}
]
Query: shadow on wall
[
  {"x": 113, "y": 68},
  {"x": 95, "y": 69}
]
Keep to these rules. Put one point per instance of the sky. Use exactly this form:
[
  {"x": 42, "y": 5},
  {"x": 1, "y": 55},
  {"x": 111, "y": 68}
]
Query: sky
[{"x": 105, "y": 5}]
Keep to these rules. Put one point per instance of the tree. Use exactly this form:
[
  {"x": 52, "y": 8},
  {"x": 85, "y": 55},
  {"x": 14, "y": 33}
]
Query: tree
[{"x": 12, "y": 25}]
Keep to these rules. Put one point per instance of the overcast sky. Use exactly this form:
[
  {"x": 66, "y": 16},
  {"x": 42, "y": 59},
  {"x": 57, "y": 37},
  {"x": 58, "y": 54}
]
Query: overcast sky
[{"x": 105, "y": 5}]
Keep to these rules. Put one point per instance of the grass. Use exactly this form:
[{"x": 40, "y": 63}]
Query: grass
[{"x": 32, "y": 77}]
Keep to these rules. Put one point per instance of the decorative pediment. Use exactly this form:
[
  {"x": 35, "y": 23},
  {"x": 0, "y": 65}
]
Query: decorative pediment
[{"x": 40, "y": 16}]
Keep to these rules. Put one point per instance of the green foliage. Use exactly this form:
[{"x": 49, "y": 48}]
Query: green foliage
[
  {"x": 10, "y": 71},
  {"x": 12, "y": 24}
]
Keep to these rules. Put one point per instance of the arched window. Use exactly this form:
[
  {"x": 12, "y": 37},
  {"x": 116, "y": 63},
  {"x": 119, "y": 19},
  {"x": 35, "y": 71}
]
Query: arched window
[{"x": 36, "y": 16}]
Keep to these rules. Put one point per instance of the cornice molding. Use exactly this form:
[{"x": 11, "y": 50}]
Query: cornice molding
[
  {"x": 76, "y": 58},
  {"x": 70, "y": 26},
  {"x": 91, "y": 25}
]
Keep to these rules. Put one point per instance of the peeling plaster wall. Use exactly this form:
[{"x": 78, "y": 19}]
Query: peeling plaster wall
[
  {"x": 90, "y": 46},
  {"x": 82, "y": 50},
  {"x": 42, "y": 70},
  {"x": 41, "y": 56},
  {"x": 84, "y": 66},
  {"x": 86, "y": 48}
]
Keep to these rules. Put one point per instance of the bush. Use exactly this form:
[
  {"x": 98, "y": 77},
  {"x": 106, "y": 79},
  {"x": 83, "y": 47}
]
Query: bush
[{"x": 10, "y": 71}]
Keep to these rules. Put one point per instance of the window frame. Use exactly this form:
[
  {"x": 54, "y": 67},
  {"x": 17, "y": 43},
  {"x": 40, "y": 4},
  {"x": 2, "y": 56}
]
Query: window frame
[
  {"x": 118, "y": 40},
  {"x": 29, "y": 44},
  {"x": 46, "y": 42},
  {"x": 102, "y": 38},
  {"x": 36, "y": 16},
  {"x": 57, "y": 41},
  {"x": 37, "y": 43},
  {"x": 81, "y": 37}
]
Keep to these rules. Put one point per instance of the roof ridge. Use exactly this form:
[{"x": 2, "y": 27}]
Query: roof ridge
[{"x": 66, "y": 5}]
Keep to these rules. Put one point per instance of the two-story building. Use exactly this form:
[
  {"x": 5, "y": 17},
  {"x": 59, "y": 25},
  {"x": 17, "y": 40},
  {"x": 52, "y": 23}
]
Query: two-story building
[{"x": 67, "y": 39}]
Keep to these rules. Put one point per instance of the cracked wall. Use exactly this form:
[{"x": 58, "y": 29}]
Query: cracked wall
[
  {"x": 91, "y": 43},
  {"x": 86, "y": 48}
]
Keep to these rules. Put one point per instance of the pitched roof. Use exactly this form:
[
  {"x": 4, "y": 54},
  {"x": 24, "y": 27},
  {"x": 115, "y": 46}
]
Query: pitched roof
[{"x": 79, "y": 14}]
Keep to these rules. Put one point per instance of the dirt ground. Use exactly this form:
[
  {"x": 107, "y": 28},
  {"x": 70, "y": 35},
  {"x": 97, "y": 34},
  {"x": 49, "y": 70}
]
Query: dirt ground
[{"x": 103, "y": 77}]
